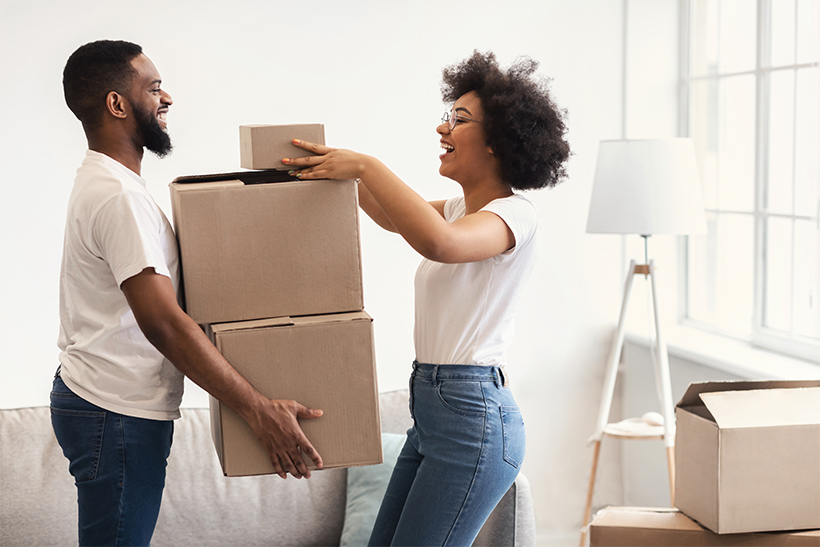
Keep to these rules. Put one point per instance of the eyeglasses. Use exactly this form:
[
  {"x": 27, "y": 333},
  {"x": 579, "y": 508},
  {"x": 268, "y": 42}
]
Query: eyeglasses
[{"x": 451, "y": 119}]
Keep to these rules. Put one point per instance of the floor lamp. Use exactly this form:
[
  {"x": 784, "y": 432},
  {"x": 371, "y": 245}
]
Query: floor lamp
[{"x": 643, "y": 187}]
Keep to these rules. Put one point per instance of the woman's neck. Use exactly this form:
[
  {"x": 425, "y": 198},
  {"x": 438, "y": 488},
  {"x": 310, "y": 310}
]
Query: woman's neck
[{"x": 476, "y": 197}]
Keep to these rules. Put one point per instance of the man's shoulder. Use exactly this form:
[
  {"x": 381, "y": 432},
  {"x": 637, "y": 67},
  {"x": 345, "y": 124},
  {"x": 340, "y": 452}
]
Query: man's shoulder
[{"x": 100, "y": 181}]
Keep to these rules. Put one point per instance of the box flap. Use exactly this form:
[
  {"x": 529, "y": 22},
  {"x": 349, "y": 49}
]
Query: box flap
[
  {"x": 194, "y": 186},
  {"x": 692, "y": 395},
  {"x": 644, "y": 517},
  {"x": 764, "y": 407},
  {"x": 289, "y": 321},
  {"x": 330, "y": 318},
  {"x": 247, "y": 177},
  {"x": 254, "y": 324}
]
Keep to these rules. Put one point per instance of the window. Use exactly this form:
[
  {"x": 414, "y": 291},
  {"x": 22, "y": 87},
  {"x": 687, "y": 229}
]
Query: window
[{"x": 750, "y": 98}]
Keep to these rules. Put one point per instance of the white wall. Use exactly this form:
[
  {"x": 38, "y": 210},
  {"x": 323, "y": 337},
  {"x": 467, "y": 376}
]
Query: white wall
[
  {"x": 649, "y": 111},
  {"x": 370, "y": 71}
]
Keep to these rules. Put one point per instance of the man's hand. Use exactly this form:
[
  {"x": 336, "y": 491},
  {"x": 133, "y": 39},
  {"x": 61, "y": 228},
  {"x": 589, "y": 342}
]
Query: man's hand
[{"x": 277, "y": 428}]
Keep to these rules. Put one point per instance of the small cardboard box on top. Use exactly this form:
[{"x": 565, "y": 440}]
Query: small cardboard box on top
[
  {"x": 324, "y": 362},
  {"x": 263, "y": 146},
  {"x": 262, "y": 244},
  {"x": 662, "y": 527},
  {"x": 747, "y": 455}
]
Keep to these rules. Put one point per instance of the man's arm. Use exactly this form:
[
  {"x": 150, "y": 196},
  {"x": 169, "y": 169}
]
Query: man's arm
[{"x": 274, "y": 422}]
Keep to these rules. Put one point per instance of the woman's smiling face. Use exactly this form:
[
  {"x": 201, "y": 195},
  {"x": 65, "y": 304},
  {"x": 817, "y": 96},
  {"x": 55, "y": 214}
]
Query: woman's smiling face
[{"x": 466, "y": 155}]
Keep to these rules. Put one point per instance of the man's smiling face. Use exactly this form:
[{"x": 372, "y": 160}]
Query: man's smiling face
[{"x": 150, "y": 105}]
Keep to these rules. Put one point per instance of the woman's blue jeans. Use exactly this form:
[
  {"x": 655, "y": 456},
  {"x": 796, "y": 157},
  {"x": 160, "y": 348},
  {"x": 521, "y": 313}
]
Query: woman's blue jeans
[
  {"x": 461, "y": 456},
  {"x": 118, "y": 464}
]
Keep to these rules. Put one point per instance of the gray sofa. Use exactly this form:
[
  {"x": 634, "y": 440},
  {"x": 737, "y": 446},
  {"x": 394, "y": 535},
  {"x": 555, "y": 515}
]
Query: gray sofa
[{"x": 200, "y": 506}]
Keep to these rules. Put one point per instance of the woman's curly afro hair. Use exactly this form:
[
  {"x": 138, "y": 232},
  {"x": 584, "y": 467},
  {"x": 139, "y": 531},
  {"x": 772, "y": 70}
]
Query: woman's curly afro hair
[{"x": 524, "y": 127}]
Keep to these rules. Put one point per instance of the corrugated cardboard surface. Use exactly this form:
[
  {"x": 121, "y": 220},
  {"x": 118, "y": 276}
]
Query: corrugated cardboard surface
[
  {"x": 324, "y": 362},
  {"x": 748, "y": 455},
  {"x": 661, "y": 527},
  {"x": 251, "y": 251},
  {"x": 697, "y": 466},
  {"x": 263, "y": 146}
]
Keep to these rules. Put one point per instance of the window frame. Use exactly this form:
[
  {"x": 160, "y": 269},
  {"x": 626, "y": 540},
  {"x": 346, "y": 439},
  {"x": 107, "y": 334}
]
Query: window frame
[{"x": 758, "y": 334}]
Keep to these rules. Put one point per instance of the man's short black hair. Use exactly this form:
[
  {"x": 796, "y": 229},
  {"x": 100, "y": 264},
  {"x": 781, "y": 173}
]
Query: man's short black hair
[
  {"x": 525, "y": 128},
  {"x": 95, "y": 70}
]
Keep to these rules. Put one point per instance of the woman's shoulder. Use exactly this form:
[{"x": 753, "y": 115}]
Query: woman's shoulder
[{"x": 516, "y": 204}]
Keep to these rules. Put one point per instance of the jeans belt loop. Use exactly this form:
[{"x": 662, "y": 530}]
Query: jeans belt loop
[
  {"x": 501, "y": 377},
  {"x": 435, "y": 375}
]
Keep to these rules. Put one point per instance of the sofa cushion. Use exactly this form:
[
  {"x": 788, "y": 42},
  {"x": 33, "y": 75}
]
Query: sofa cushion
[
  {"x": 365, "y": 490},
  {"x": 38, "y": 505},
  {"x": 202, "y": 507}
]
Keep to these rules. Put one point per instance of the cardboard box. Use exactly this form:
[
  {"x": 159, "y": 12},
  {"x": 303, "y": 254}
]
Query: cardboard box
[
  {"x": 264, "y": 146},
  {"x": 747, "y": 455},
  {"x": 325, "y": 362},
  {"x": 252, "y": 250},
  {"x": 660, "y": 527}
]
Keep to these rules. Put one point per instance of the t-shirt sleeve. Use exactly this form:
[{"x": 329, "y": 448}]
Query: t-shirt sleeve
[
  {"x": 519, "y": 214},
  {"x": 127, "y": 231},
  {"x": 454, "y": 208}
]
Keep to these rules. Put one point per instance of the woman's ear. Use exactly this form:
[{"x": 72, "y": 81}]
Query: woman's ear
[{"x": 115, "y": 105}]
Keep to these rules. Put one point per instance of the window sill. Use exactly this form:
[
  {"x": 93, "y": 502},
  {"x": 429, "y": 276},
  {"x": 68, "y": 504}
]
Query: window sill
[{"x": 730, "y": 355}]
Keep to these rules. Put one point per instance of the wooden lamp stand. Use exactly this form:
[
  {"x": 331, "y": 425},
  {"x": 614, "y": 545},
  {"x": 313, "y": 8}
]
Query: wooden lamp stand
[{"x": 638, "y": 430}]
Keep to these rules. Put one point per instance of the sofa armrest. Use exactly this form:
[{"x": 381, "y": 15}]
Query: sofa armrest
[{"x": 512, "y": 522}]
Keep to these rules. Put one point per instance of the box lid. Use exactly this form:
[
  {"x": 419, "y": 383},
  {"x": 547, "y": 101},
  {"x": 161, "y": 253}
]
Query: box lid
[
  {"x": 260, "y": 176},
  {"x": 692, "y": 395},
  {"x": 764, "y": 407},
  {"x": 290, "y": 321},
  {"x": 647, "y": 526},
  {"x": 644, "y": 517}
]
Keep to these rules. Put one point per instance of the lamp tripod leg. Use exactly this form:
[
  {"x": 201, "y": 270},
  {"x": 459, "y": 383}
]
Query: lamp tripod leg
[
  {"x": 590, "y": 490},
  {"x": 670, "y": 460}
]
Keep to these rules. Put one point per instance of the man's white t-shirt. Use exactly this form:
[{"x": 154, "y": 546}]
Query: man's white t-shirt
[
  {"x": 114, "y": 230},
  {"x": 465, "y": 312}
]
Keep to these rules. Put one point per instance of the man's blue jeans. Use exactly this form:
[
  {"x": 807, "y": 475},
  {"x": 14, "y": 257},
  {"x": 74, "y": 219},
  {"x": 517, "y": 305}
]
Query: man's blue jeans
[
  {"x": 118, "y": 464},
  {"x": 461, "y": 456}
]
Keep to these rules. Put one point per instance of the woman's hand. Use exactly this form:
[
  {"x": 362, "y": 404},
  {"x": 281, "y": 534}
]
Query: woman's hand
[{"x": 330, "y": 163}]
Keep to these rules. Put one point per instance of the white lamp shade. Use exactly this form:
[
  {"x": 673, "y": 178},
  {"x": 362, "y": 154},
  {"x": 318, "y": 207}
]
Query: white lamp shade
[{"x": 646, "y": 187}]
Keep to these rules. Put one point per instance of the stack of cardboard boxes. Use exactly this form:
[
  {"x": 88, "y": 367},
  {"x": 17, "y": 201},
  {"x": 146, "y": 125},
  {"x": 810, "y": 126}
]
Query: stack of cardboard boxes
[
  {"x": 747, "y": 458},
  {"x": 271, "y": 268}
]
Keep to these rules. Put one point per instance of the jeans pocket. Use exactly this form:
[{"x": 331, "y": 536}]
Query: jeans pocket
[
  {"x": 80, "y": 435},
  {"x": 462, "y": 397},
  {"x": 515, "y": 438}
]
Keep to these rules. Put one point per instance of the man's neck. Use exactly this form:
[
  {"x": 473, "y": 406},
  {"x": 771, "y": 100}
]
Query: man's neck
[{"x": 122, "y": 151}]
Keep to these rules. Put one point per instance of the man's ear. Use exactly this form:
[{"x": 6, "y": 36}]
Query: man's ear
[{"x": 116, "y": 105}]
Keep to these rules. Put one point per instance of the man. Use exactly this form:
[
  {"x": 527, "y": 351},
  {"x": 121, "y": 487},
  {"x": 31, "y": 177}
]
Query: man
[{"x": 125, "y": 342}]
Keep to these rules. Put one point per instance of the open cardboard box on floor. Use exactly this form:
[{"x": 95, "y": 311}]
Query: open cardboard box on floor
[
  {"x": 747, "y": 455},
  {"x": 260, "y": 244},
  {"x": 661, "y": 527},
  {"x": 324, "y": 362}
]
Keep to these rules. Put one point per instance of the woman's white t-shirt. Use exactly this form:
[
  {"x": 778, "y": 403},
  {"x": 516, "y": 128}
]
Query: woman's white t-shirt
[
  {"x": 465, "y": 312},
  {"x": 114, "y": 230}
]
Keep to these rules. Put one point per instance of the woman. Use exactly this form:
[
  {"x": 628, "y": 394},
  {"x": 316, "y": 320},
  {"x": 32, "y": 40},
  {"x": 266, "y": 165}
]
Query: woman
[{"x": 504, "y": 133}]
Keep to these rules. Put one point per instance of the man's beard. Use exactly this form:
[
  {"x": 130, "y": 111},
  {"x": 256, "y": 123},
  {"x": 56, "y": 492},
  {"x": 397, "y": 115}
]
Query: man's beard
[{"x": 154, "y": 138}]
